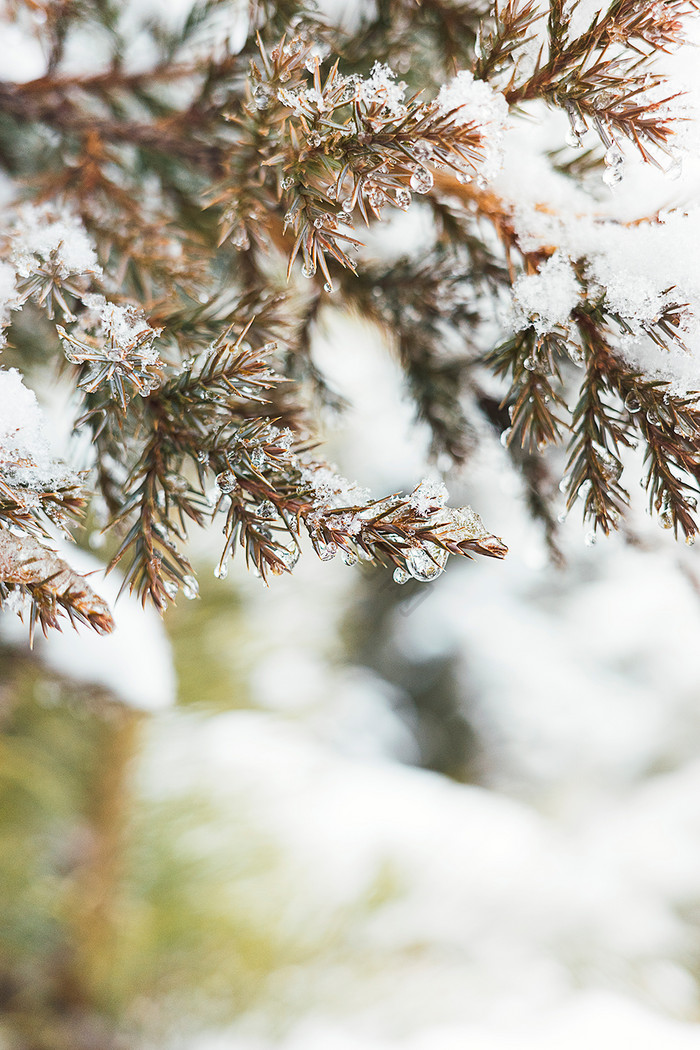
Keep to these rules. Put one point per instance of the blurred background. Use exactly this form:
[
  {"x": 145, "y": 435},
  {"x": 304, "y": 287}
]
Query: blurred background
[{"x": 342, "y": 814}]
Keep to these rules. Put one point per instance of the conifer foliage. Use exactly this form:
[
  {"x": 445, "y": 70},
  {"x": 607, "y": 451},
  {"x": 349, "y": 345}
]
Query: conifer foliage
[{"x": 177, "y": 222}]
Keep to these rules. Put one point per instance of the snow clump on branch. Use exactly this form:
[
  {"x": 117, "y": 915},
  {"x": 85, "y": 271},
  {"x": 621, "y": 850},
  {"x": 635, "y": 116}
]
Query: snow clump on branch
[{"x": 471, "y": 101}]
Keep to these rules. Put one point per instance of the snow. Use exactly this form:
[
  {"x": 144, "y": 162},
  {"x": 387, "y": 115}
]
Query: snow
[
  {"x": 545, "y": 299},
  {"x": 470, "y": 101},
  {"x": 25, "y": 452},
  {"x": 381, "y": 87},
  {"x": 42, "y": 232}
]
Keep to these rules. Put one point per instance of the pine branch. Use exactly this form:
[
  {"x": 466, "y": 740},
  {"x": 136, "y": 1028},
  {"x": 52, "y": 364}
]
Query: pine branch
[{"x": 38, "y": 584}]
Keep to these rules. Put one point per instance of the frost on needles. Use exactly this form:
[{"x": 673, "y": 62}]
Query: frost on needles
[{"x": 174, "y": 227}]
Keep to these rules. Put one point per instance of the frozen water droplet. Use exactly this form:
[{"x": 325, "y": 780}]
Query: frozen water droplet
[
  {"x": 308, "y": 270},
  {"x": 530, "y": 364},
  {"x": 266, "y": 509},
  {"x": 262, "y": 96},
  {"x": 666, "y": 518},
  {"x": 328, "y": 287},
  {"x": 590, "y": 539},
  {"x": 564, "y": 483},
  {"x": 427, "y": 563},
  {"x": 347, "y": 205},
  {"x": 313, "y": 140},
  {"x": 401, "y": 576},
  {"x": 170, "y": 588},
  {"x": 654, "y": 418},
  {"x": 287, "y": 182},
  {"x": 614, "y": 166},
  {"x": 221, "y": 571},
  {"x": 226, "y": 481},
  {"x": 349, "y": 557},
  {"x": 610, "y": 466},
  {"x": 690, "y": 539},
  {"x": 632, "y": 402},
  {"x": 326, "y": 551},
  {"x": 290, "y": 556},
  {"x": 422, "y": 150},
  {"x": 422, "y": 180},
  {"x": 402, "y": 198},
  {"x": 505, "y": 436}
]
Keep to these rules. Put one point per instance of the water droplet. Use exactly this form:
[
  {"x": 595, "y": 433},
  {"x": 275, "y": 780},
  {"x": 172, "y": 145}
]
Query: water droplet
[
  {"x": 226, "y": 481},
  {"x": 349, "y": 557},
  {"x": 258, "y": 458},
  {"x": 326, "y": 551},
  {"x": 221, "y": 571},
  {"x": 290, "y": 556},
  {"x": 402, "y": 198},
  {"x": 308, "y": 270},
  {"x": 615, "y": 164},
  {"x": 287, "y": 182},
  {"x": 666, "y": 518},
  {"x": 422, "y": 180},
  {"x": 530, "y": 364},
  {"x": 347, "y": 205},
  {"x": 654, "y": 418},
  {"x": 427, "y": 563},
  {"x": 690, "y": 539},
  {"x": 505, "y": 436},
  {"x": 401, "y": 576},
  {"x": 422, "y": 150},
  {"x": 266, "y": 509},
  {"x": 313, "y": 140},
  {"x": 590, "y": 539},
  {"x": 609, "y": 465},
  {"x": 262, "y": 96},
  {"x": 632, "y": 402},
  {"x": 328, "y": 287}
]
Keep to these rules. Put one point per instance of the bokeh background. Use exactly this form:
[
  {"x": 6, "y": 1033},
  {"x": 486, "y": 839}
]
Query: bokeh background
[{"x": 341, "y": 814}]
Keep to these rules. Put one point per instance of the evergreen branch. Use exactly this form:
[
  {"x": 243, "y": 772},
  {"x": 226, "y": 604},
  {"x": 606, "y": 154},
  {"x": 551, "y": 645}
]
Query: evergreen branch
[{"x": 36, "y": 582}]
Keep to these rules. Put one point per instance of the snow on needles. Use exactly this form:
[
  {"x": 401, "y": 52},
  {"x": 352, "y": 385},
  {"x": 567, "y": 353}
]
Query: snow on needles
[
  {"x": 470, "y": 101},
  {"x": 546, "y": 299},
  {"x": 45, "y": 233},
  {"x": 25, "y": 452}
]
